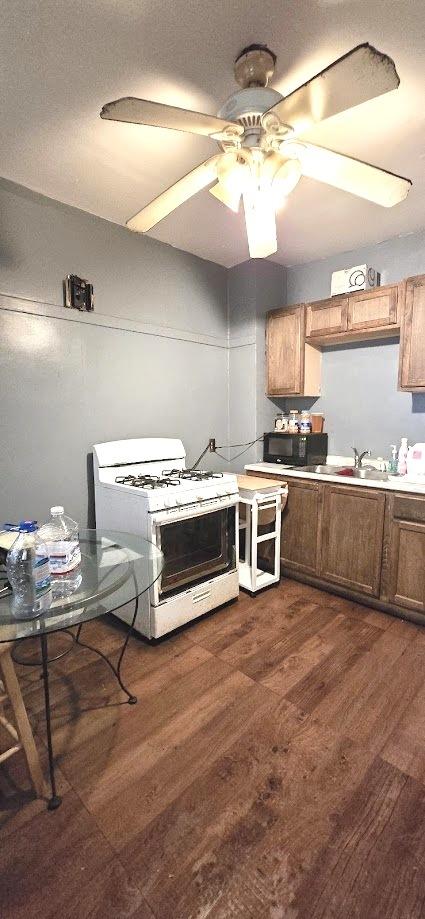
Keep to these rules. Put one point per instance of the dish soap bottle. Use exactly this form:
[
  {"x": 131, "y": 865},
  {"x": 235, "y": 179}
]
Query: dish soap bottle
[
  {"x": 393, "y": 464},
  {"x": 402, "y": 457}
]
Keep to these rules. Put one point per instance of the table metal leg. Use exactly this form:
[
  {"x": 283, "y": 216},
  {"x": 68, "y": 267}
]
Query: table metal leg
[
  {"x": 115, "y": 670},
  {"x": 54, "y": 800}
]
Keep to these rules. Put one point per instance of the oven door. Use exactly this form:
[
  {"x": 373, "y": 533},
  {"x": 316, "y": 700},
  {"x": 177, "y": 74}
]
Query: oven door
[{"x": 196, "y": 548}]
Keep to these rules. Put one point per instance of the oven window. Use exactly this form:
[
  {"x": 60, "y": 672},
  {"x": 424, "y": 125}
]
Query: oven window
[
  {"x": 196, "y": 549},
  {"x": 280, "y": 445}
]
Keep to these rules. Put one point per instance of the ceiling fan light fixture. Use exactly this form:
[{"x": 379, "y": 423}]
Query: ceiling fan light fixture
[
  {"x": 285, "y": 180},
  {"x": 233, "y": 174},
  {"x": 260, "y": 223},
  {"x": 231, "y": 197},
  {"x": 293, "y": 149}
]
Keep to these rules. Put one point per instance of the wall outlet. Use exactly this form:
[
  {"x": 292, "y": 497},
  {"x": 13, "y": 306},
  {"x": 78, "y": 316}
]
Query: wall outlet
[{"x": 211, "y": 444}]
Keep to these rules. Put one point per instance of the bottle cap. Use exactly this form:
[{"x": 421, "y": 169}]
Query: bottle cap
[
  {"x": 28, "y": 526},
  {"x": 56, "y": 510}
]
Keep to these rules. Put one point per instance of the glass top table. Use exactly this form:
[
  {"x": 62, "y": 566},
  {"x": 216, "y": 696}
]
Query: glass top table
[{"x": 116, "y": 569}]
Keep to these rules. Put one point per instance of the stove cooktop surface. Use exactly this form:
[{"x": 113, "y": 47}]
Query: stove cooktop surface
[{"x": 168, "y": 478}]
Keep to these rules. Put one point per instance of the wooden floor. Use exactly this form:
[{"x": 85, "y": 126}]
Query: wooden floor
[{"x": 273, "y": 767}]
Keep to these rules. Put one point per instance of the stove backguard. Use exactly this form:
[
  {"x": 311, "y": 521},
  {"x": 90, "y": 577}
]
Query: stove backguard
[{"x": 196, "y": 549}]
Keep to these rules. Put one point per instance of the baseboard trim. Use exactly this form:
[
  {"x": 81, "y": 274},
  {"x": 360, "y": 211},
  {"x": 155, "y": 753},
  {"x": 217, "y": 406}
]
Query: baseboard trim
[{"x": 363, "y": 599}]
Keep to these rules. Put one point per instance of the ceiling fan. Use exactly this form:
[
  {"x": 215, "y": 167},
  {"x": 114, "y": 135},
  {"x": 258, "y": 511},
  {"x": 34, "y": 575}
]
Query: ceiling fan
[{"x": 258, "y": 130}]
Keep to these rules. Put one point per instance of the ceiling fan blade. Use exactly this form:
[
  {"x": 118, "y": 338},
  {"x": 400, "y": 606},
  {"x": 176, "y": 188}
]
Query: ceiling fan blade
[
  {"x": 143, "y": 111},
  {"x": 161, "y": 206},
  {"x": 350, "y": 175},
  {"x": 260, "y": 223},
  {"x": 361, "y": 74}
]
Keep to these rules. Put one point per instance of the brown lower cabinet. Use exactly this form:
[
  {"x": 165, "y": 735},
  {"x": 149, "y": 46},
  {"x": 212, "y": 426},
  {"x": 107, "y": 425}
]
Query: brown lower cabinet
[
  {"x": 403, "y": 581},
  {"x": 351, "y": 539},
  {"x": 301, "y": 521},
  {"x": 364, "y": 542}
]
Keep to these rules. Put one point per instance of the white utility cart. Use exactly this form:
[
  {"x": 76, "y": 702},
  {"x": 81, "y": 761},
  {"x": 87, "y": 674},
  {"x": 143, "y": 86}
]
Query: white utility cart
[{"x": 260, "y": 503}]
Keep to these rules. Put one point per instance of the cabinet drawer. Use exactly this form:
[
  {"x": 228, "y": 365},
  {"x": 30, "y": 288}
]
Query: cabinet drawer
[
  {"x": 409, "y": 508},
  {"x": 327, "y": 317},
  {"x": 373, "y": 309}
]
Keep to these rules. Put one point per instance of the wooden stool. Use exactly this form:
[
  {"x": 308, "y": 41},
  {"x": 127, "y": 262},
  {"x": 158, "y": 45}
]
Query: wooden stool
[{"x": 20, "y": 732}]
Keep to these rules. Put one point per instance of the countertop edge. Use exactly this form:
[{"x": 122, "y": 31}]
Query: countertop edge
[{"x": 284, "y": 472}]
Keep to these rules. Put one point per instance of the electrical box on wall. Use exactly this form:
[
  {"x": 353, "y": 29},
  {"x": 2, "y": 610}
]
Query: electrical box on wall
[
  {"x": 78, "y": 293},
  {"x": 360, "y": 277}
]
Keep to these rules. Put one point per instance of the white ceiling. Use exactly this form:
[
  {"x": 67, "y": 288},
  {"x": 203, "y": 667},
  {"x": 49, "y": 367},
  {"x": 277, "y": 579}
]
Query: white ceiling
[{"x": 60, "y": 61}]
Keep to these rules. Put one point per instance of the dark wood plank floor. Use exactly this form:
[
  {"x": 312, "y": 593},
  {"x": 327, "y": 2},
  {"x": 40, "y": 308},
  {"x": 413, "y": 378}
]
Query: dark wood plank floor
[{"x": 273, "y": 767}]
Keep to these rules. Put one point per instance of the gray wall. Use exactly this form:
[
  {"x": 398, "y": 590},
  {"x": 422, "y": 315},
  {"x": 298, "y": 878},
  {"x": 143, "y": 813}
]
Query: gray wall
[
  {"x": 175, "y": 348},
  {"x": 359, "y": 382},
  {"x": 253, "y": 288},
  {"x": 151, "y": 361}
]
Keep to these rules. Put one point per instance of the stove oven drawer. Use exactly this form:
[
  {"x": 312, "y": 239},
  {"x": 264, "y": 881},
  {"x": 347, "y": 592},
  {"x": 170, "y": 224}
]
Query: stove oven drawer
[{"x": 190, "y": 604}]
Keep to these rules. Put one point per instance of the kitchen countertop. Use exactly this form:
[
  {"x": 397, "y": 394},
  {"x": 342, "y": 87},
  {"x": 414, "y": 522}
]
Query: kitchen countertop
[
  {"x": 254, "y": 483},
  {"x": 286, "y": 472}
]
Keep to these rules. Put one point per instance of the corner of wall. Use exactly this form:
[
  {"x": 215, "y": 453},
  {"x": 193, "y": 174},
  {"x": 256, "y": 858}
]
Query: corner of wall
[{"x": 254, "y": 287}]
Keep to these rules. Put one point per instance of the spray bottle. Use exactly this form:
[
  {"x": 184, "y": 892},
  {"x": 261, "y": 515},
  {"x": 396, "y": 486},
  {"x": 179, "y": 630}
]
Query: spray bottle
[
  {"x": 402, "y": 457},
  {"x": 393, "y": 463}
]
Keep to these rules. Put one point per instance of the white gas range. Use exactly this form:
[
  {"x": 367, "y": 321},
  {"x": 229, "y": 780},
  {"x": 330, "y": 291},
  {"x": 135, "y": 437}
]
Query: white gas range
[{"x": 142, "y": 486}]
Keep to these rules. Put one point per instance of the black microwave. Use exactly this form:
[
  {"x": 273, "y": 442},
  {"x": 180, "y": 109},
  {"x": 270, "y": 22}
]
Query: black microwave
[{"x": 295, "y": 449}]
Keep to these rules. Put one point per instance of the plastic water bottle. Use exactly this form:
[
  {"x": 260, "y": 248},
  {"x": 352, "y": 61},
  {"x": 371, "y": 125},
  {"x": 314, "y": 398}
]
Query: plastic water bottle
[
  {"x": 27, "y": 567},
  {"x": 60, "y": 536}
]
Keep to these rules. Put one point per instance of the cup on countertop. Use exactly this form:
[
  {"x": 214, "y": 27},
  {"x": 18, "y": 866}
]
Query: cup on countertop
[{"x": 317, "y": 422}]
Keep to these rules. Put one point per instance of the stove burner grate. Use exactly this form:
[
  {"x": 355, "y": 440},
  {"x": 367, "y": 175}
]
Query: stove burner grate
[
  {"x": 168, "y": 477},
  {"x": 145, "y": 481},
  {"x": 192, "y": 475}
]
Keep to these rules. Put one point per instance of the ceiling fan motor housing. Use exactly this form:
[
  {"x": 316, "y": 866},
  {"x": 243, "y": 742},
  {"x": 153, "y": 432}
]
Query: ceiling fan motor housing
[{"x": 246, "y": 107}]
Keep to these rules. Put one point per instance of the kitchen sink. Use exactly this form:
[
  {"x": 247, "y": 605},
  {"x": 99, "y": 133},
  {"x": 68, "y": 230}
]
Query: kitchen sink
[{"x": 369, "y": 474}]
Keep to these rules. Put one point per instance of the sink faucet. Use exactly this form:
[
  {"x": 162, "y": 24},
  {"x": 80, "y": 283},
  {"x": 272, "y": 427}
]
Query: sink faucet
[{"x": 358, "y": 457}]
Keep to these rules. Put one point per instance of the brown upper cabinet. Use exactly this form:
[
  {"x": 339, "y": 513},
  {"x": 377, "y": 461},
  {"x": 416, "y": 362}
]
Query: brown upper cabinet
[
  {"x": 361, "y": 315},
  {"x": 375, "y": 309},
  {"x": 412, "y": 340},
  {"x": 295, "y": 335},
  {"x": 293, "y": 366},
  {"x": 327, "y": 317}
]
